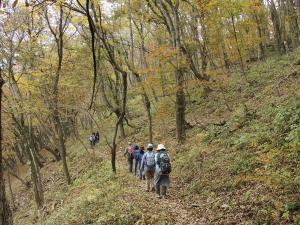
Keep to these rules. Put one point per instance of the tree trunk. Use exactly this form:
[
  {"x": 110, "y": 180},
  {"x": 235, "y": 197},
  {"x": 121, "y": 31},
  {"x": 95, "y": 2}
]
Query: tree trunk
[
  {"x": 60, "y": 140},
  {"x": 147, "y": 103},
  {"x": 149, "y": 116},
  {"x": 35, "y": 171},
  {"x": 61, "y": 146},
  {"x": 122, "y": 130},
  {"x": 293, "y": 23},
  {"x": 11, "y": 192},
  {"x": 277, "y": 28},
  {"x": 238, "y": 47},
  {"x": 170, "y": 13},
  {"x": 5, "y": 212},
  {"x": 260, "y": 35},
  {"x": 180, "y": 96},
  {"x": 37, "y": 185},
  {"x": 19, "y": 153},
  {"x": 180, "y": 108},
  {"x": 225, "y": 55}
]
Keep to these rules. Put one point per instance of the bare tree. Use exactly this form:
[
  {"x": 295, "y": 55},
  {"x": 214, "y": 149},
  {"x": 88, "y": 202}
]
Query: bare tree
[{"x": 58, "y": 34}]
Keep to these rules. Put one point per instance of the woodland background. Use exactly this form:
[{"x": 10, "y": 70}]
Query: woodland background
[{"x": 216, "y": 80}]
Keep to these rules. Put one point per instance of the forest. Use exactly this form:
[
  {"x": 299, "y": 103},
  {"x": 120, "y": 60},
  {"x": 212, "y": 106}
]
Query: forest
[{"x": 216, "y": 81}]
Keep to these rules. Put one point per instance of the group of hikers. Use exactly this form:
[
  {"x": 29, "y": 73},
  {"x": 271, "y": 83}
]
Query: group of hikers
[
  {"x": 155, "y": 167},
  {"x": 94, "y": 139}
]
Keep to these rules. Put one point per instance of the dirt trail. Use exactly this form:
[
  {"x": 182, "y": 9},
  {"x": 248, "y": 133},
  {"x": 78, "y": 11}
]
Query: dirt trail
[{"x": 173, "y": 207}]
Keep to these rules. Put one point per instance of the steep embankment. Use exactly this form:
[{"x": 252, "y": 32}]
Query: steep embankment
[
  {"x": 249, "y": 171},
  {"x": 240, "y": 163}
]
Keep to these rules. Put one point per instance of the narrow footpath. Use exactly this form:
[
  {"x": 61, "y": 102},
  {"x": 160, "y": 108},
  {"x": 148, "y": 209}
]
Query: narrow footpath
[{"x": 178, "y": 212}]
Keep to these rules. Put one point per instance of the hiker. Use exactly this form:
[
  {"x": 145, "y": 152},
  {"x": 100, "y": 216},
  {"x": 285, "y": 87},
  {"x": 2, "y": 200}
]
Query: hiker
[
  {"x": 136, "y": 152},
  {"x": 128, "y": 153},
  {"x": 92, "y": 140},
  {"x": 97, "y": 137},
  {"x": 148, "y": 167},
  {"x": 141, "y": 175},
  {"x": 162, "y": 171}
]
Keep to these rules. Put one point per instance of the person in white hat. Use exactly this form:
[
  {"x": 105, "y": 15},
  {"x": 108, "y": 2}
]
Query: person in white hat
[
  {"x": 162, "y": 171},
  {"x": 148, "y": 167}
]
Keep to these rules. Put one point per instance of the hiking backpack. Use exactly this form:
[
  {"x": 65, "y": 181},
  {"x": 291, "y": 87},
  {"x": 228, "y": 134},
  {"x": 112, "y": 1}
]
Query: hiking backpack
[
  {"x": 165, "y": 164},
  {"x": 130, "y": 155},
  {"x": 136, "y": 153},
  {"x": 150, "y": 160}
]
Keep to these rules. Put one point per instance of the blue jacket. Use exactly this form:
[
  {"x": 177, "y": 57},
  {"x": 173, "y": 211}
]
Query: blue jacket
[
  {"x": 140, "y": 156},
  {"x": 136, "y": 153}
]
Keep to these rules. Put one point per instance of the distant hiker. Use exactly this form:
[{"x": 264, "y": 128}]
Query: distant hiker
[
  {"x": 92, "y": 140},
  {"x": 136, "y": 153},
  {"x": 148, "y": 167},
  {"x": 128, "y": 153},
  {"x": 162, "y": 171},
  {"x": 97, "y": 137},
  {"x": 141, "y": 175}
]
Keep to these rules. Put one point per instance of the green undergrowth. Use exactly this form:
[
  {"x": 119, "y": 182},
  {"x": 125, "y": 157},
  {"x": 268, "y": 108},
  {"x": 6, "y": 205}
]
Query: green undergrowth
[{"x": 92, "y": 200}]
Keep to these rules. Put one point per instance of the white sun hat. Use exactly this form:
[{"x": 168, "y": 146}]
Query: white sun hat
[{"x": 160, "y": 147}]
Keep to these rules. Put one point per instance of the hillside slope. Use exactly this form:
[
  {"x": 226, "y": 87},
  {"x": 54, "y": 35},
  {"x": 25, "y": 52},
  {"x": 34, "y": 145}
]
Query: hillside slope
[{"x": 240, "y": 163}]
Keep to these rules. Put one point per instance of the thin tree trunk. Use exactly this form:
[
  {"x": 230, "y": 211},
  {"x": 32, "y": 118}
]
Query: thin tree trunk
[
  {"x": 238, "y": 47},
  {"x": 180, "y": 107},
  {"x": 293, "y": 23},
  {"x": 11, "y": 192},
  {"x": 180, "y": 96},
  {"x": 225, "y": 55},
  {"x": 37, "y": 186},
  {"x": 149, "y": 116},
  {"x": 260, "y": 35},
  {"x": 122, "y": 129},
  {"x": 35, "y": 171},
  {"x": 147, "y": 103},
  {"x": 277, "y": 28},
  {"x": 62, "y": 147},
  {"x": 131, "y": 38},
  {"x": 58, "y": 35}
]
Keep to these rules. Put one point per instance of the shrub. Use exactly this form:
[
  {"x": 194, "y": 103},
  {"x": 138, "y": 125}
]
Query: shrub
[{"x": 243, "y": 163}]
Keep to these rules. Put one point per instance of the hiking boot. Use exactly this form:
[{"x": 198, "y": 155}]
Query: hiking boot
[{"x": 159, "y": 197}]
